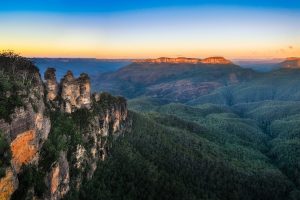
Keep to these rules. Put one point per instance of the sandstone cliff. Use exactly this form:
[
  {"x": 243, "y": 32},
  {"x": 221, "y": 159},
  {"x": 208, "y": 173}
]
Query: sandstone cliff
[
  {"x": 75, "y": 93},
  {"x": 27, "y": 126},
  {"x": 210, "y": 60},
  {"x": 291, "y": 63},
  {"x": 51, "y": 84},
  {"x": 59, "y": 131},
  {"x": 215, "y": 60}
]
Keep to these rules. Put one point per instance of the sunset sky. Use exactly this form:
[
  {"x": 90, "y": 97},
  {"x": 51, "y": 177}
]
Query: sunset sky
[{"x": 145, "y": 29}]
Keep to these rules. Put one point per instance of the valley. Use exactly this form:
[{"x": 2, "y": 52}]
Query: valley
[
  {"x": 150, "y": 100},
  {"x": 248, "y": 126},
  {"x": 206, "y": 130}
]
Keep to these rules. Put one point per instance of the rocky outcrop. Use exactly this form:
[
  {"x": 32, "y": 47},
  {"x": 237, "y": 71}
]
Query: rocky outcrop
[
  {"x": 291, "y": 63},
  {"x": 51, "y": 84},
  {"x": 84, "y": 99},
  {"x": 179, "y": 60},
  {"x": 170, "y": 60},
  {"x": 109, "y": 121},
  {"x": 8, "y": 184},
  {"x": 215, "y": 60},
  {"x": 74, "y": 93},
  {"x": 106, "y": 116},
  {"x": 58, "y": 179},
  {"x": 23, "y": 148},
  {"x": 28, "y": 126},
  {"x": 70, "y": 92}
]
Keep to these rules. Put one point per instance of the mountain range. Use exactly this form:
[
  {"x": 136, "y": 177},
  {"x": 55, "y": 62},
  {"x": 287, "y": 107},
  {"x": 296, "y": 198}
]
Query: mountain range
[
  {"x": 206, "y": 131},
  {"x": 180, "y": 80},
  {"x": 189, "y": 129}
]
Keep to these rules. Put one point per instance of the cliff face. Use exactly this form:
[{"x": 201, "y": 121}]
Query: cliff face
[
  {"x": 28, "y": 125},
  {"x": 291, "y": 63},
  {"x": 31, "y": 128},
  {"x": 100, "y": 116},
  {"x": 51, "y": 84},
  {"x": 75, "y": 93},
  {"x": 58, "y": 180},
  {"x": 210, "y": 60},
  {"x": 171, "y": 60},
  {"x": 215, "y": 60}
]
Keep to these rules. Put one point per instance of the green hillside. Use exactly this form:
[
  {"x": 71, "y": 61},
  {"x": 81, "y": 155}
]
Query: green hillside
[
  {"x": 159, "y": 160},
  {"x": 176, "y": 82},
  {"x": 248, "y": 124}
]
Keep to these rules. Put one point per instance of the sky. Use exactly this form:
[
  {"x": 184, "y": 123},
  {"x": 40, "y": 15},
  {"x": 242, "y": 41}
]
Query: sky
[{"x": 235, "y": 29}]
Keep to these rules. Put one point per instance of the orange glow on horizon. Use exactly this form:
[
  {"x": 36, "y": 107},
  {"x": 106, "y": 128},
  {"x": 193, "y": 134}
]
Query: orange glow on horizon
[
  {"x": 229, "y": 32},
  {"x": 109, "y": 53}
]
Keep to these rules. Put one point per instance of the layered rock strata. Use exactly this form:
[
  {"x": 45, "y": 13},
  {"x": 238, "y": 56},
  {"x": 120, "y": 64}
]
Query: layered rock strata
[{"x": 179, "y": 60}]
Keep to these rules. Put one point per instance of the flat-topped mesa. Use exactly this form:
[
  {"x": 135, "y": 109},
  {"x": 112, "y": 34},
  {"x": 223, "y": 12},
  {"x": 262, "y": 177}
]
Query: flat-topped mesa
[
  {"x": 216, "y": 60},
  {"x": 210, "y": 60},
  {"x": 293, "y": 59},
  {"x": 291, "y": 62},
  {"x": 51, "y": 84},
  {"x": 170, "y": 60}
]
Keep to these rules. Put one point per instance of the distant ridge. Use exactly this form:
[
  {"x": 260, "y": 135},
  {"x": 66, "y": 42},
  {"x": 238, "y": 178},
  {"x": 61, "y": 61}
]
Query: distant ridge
[
  {"x": 209, "y": 60},
  {"x": 291, "y": 63}
]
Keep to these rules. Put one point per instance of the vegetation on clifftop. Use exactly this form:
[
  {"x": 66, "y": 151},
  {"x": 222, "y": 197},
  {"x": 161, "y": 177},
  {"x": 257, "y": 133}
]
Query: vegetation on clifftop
[
  {"x": 16, "y": 76},
  {"x": 5, "y": 154}
]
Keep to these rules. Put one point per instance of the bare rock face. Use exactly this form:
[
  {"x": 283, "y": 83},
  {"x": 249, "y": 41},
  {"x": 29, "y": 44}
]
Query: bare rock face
[
  {"x": 171, "y": 60},
  {"x": 27, "y": 131},
  {"x": 8, "y": 184},
  {"x": 59, "y": 178},
  {"x": 29, "y": 126},
  {"x": 75, "y": 93},
  {"x": 110, "y": 121},
  {"x": 84, "y": 99},
  {"x": 23, "y": 148},
  {"x": 107, "y": 117},
  {"x": 216, "y": 60},
  {"x": 291, "y": 63},
  {"x": 70, "y": 92},
  {"x": 180, "y": 60},
  {"x": 51, "y": 84}
]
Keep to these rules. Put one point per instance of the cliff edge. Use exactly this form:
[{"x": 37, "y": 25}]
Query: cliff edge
[{"x": 53, "y": 133}]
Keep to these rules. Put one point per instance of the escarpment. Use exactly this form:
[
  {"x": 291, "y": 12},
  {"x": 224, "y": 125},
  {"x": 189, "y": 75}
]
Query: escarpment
[
  {"x": 290, "y": 63},
  {"x": 179, "y": 60},
  {"x": 56, "y": 132}
]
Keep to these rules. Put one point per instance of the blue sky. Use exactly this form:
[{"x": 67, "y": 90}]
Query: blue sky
[
  {"x": 141, "y": 29},
  {"x": 121, "y": 5}
]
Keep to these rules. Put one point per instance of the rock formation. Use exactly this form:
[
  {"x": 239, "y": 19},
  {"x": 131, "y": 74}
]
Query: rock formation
[
  {"x": 75, "y": 93},
  {"x": 51, "y": 84},
  {"x": 210, "y": 60},
  {"x": 215, "y": 60},
  {"x": 291, "y": 63},
  {"x": 171, "y": 60},
  {"x": 29, "y": 125},
  {"x": 58, "y": 179},
  {"x": 28, "y": 128}
]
